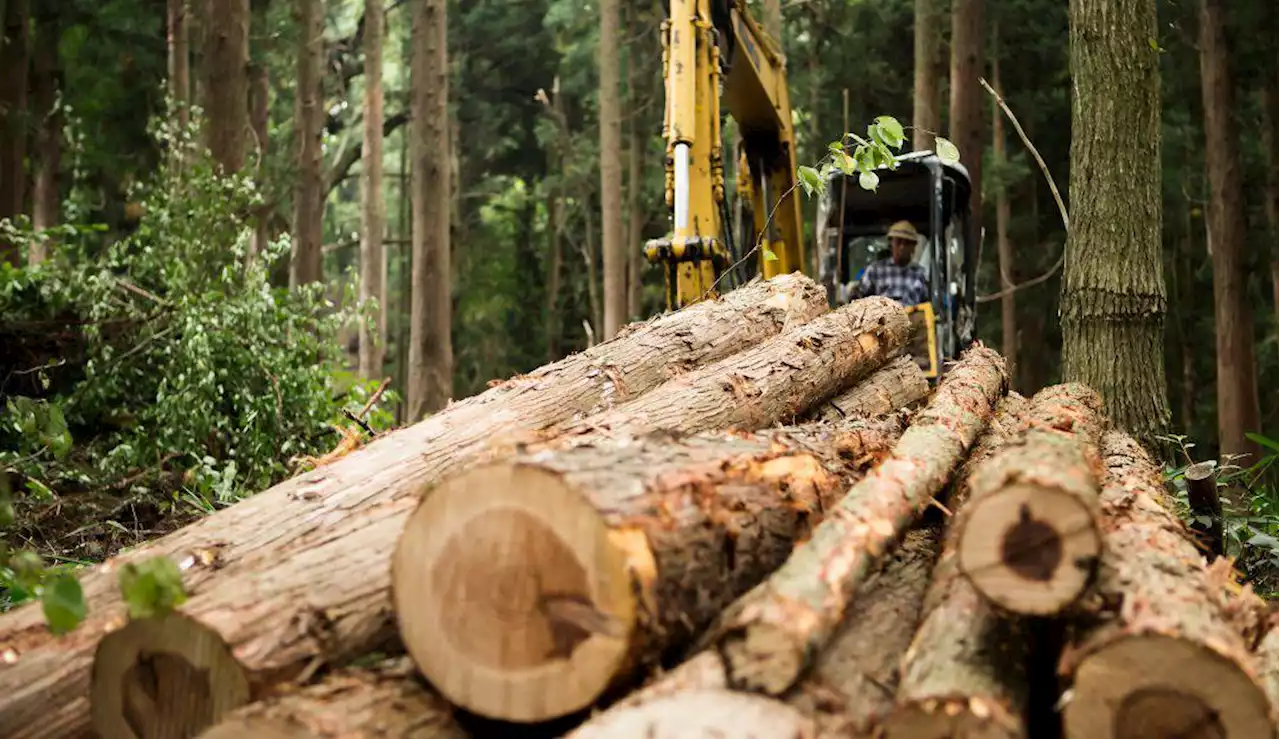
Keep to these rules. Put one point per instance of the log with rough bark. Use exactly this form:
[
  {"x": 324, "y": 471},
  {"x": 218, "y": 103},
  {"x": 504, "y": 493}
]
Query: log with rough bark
[
  {"x": 769, "y": 636},
  {"x": 331, "y": 596},
  {"x": 385, "y": 701},
  {"x": 1154, "y": 653},
  {"x": 898, "y": 384},
  {"x": 964, "y": 673},
  {"x": 1028, "y": 536},
  {"x": 598, "y": 560},
  {"x": 1267, "y": 659},
  {"x": 46, "y": 680},
  {"x": 775, "y": 381},
  {"x": 846, "y": 693}
]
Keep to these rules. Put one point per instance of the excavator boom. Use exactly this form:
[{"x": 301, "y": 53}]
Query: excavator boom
[{"x": 710, "y": 46}]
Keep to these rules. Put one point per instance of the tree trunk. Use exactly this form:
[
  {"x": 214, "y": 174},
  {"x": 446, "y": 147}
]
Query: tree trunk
[
  {"x": 49, "y": 677},
  {"x": 953, "y": 683},
  {"x": 898, "y": 384},
  {"x": 226, "y": 63},
  {"x": 776, "y": 380},
  {"x": 846, "y": 693},
  {"x": 344, "y": 576},
  {"x": 46, "y": 203},
  {"x": 307, "y": 263},
  {"x": 1271, "y": 191},
  {"x": 373, "y": 262},
  {"x": 1205, "y": 503},
  {"x": 615, "y": 258},
  {"x": 1113, "y": 295},
  {"x": 1004, "y": 249},
  {"x": 1029, "y": 538},
  {"x": 772, "y": 19},
  {"x": 178, "y": 31},
  {"x": 1238, "y": 410},
  {"x": 631, "y": 549},
  {"x": 767, "y": 638},
  {"x": 588, "y": 251},
  {"x": 636, "y": 210},
  {"x": 926, "y": 116},
  {"x": 552, "y": 327},
  {"x": 966, "y": 99},
  {"x": 1156, "y": 655},
  {"x": 15, "y": 61},
  {"x": 384, "y": 701},
  {"x": 431, "y": 322},
  {"x": 260, "y": 120}
]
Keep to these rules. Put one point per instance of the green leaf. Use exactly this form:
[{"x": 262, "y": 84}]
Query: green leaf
[
  {"x": 152, "y": 587},
  {"x": 946, "y": 150},
  {"x": 769, "y": 256},
  {"x": 6, "y": 501},
  {"x": 63, "y": 603},
  {"x": 890, "y": 130},
  {"x": 869, "y": 180},
  {"x": 1263, "y": 441},
  {"x": 809, "y": 179},
  {"x": 835, "y": 146},
  {"x": 845, "y": 163}
]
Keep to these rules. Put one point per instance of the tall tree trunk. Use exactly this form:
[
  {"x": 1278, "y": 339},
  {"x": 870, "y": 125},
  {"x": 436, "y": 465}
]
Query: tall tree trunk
[
  {"x": 373, "y": 263},
  {"x": 926, "y": 116},
  {"x": 1004, "y": 249},
  {"x": 179, "y": 59},
  {"x": 45, "y": 201},
  {"x": 1113, "y": 293},
  {"x": 226, "y": 66},
  {"x": 555, "y": 260},
  {"x": 596, "y": 315},
  {"x": 635, "y": 173},
  {"x": 1271, "y": 192},
  {"x": 430, "y": 341},
  {"x": 773, "y": 19},
  {"x": 14, "y": 63},
  {"x": 1238, "y": 410},
  {"x": 260, "y": 122},
  {"x": 966, "y": 99},
  {"x": 308, "y": 199},
  {"x": 615, "y": 259}
]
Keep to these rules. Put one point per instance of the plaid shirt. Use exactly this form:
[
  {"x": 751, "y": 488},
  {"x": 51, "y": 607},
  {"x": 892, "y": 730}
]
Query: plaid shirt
[{"x": 907, "y": 285}]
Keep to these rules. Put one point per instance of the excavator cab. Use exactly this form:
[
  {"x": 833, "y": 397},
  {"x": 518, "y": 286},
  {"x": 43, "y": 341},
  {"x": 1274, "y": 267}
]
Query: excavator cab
[{"x": 851, "y": 234}]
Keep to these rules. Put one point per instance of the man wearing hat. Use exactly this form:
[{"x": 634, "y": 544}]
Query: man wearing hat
[{"x": 897, "y": 276}]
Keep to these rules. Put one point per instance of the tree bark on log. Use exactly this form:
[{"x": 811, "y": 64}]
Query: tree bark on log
[
  {"x": 47, "y": 680},
  {"x": 386, "y": 701},
  {"x": 1155, "y": 654},
  {"x": 770, "y": 635},
  {"x": 850, "y": 686},
  {"x": 964, "y": 673},
  {"x": 775, "y": 381},
  {"x": 1028, "y": 538},
  {"x": 1268, "y": 662},
  {"x": 896, "y": 385},
  {"x": 601, "y": 559}
]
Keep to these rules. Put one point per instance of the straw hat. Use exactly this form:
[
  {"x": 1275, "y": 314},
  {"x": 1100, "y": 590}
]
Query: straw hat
[{"x": 903, "y": 229}]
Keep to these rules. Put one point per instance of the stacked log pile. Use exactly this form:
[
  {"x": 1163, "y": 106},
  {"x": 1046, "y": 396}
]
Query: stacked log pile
[{"x": 751, "y": 517}]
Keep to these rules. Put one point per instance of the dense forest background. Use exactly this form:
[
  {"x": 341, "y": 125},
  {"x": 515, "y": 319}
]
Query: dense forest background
[{"x": 191, "y": 189}]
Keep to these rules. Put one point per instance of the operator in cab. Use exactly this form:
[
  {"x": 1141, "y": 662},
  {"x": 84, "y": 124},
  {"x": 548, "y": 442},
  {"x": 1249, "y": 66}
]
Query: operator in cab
[{"x": 896, "y": 276}]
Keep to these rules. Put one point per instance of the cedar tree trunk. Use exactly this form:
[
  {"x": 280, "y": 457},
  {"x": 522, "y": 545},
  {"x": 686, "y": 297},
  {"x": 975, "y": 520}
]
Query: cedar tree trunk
[
  {"x": 373, "y": 263},
  {"x": 306, "y": 265}
]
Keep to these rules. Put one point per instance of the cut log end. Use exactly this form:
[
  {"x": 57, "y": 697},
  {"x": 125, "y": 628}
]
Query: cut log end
[
  {"x": 702, "y": 713},
  {"x": 1153, "y": 686},
  {"x": 1030, "y": 549},
  {"x": 164, "y": 677},
  {"x": 511, "y": 597},
  {"x": 968, "y": 717},
  {"x": 763, "y": 658}
]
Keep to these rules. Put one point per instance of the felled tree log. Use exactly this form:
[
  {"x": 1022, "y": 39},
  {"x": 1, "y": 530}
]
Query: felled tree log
[
  {"x": 896, "y": 385},
  {"x": 385, "y": 701},
  {"x": 964, "y": 673},
  {"x": 1154, "y": 654},
  {"x": 845, "y": 694},
  {"x": 770, "y": 635},
  {"x": 331, "y": 601},
  {"x": 1028, "y": 537},
  {"x": 1268, "y": 662},
  {"x": 46, "y": 681},
  {"x": 599, "y": 559},
  {"x": 775, "y": 381}
]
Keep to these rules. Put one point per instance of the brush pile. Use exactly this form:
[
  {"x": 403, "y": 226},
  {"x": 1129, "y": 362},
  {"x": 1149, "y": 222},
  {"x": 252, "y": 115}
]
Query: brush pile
[{"x": 751, "y": 517}]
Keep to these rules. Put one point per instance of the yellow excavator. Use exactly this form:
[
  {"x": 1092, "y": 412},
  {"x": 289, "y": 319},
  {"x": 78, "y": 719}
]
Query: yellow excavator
[{"x": 714, "y": 49}]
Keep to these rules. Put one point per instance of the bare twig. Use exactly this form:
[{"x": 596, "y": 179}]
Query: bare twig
[
  {"x": 129, "y": 286},
  {"x": 1053, "y": 187},
  {"x": 360, "y": 422},
  {"x": 374, "y": 398}
]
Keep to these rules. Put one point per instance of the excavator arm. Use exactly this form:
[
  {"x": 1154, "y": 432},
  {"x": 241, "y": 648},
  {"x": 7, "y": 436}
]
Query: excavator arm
[{"x": 714, "y": 49}]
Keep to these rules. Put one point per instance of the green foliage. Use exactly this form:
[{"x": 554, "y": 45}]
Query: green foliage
[
  {"x": 152, "y": 587},
  {"x": 884, "y": 138},
  {"x": 198, "y": 380},
  {"x": 63, "y": 603}
]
